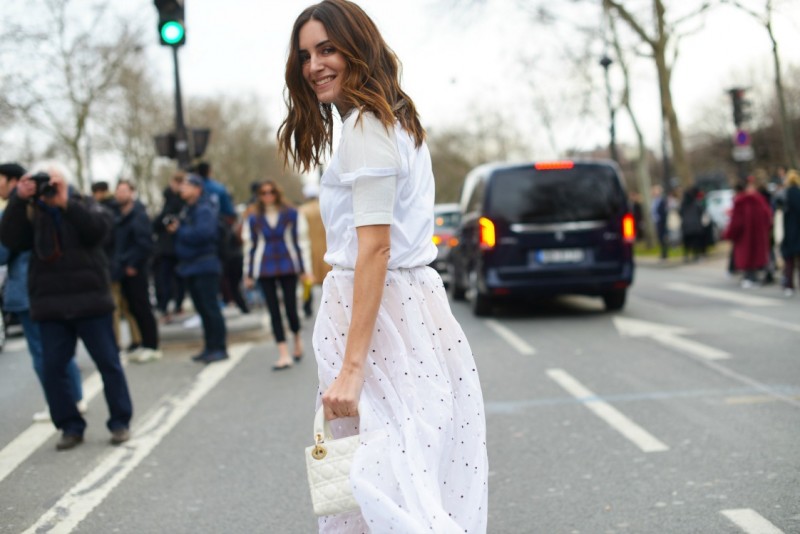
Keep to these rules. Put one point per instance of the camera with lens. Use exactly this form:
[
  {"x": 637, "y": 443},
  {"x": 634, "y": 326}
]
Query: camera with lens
[
  {"x": 43, "y": 186},
  {"x": 169, "y": 219}
]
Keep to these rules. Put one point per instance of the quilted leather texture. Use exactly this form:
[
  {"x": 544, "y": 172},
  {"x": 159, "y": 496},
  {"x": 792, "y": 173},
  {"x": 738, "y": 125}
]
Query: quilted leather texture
[{"x": 329, "y": 478}]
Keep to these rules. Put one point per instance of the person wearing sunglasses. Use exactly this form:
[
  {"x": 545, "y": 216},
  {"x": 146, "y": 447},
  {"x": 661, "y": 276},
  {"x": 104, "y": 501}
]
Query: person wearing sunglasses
[{"x": 274, "y": 258}]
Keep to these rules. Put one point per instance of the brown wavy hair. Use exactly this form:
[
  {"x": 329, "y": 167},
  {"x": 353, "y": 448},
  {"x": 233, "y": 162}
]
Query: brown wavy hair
[{"x": 371, "y": 83}]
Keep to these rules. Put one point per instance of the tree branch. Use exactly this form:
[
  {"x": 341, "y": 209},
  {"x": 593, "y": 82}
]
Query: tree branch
[{"x": 630, "y": 20}]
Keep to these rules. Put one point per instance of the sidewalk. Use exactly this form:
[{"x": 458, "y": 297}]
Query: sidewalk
[
  {"x": 717, "y": 256},
  {"x": 184, "y": 331}
]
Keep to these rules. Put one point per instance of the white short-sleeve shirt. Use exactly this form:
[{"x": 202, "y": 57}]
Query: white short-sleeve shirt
[{"x": 378, "y": 177}]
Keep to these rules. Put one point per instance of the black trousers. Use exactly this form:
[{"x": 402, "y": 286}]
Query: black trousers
[
  {"x": 288, "y": 284},
  {"x": 137, "y": 292},
  {"x": 59, "y": 339},
  {"x": 169, "y": 285},
  {"x": 232, "y": 283},
  {"x": 203, "y": 290}
]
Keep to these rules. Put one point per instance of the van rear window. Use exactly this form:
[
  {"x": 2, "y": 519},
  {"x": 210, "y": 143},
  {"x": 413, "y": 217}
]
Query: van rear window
[{"x": 583, "y": 193}]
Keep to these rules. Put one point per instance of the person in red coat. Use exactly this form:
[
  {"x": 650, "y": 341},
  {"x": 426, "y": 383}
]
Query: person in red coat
[{"x": 749, "y": 230}]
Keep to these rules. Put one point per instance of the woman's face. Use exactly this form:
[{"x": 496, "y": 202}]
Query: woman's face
[
  {"x": 267, "y": 195},
  {"x": 324, "y": 67}
]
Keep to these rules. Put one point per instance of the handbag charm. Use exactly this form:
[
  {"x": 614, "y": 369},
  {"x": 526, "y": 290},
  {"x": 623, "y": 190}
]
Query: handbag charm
[{"x": 328, "y": 463}]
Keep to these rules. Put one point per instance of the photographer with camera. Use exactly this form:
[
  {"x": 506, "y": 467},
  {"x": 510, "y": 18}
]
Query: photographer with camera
[
  {"x": 69, "y": 294},
  {"x": 15, "y": 300},
  {"x": 196, "y": 242}
]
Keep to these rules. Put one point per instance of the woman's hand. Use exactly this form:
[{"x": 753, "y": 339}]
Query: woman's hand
[
  {"x": 341, "y": 398},
  {"x": 249, "y": 283}
]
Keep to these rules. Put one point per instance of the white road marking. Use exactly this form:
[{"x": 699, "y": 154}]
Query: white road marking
[
  {"x": 722, "y": 294},
  {"x": 751, "y": 521},
  {"x": 15, "y": 345},
  {"x": 37, "y": 434},
  {"x": 667, "y": 335},
  {"x": 511, "y": 338},
  {"x": 766, "y": 320},
  {"x": 78, "y": 502},
  {"x": 619, "y": 422}
]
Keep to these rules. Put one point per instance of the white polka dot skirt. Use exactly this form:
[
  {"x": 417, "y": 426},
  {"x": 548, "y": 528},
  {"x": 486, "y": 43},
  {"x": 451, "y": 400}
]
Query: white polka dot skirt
[{"x": 422, "y": 466}]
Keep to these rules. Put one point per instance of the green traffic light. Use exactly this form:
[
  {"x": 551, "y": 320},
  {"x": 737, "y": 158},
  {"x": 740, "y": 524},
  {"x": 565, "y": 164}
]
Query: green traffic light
[{"x": 172, "y": 32}]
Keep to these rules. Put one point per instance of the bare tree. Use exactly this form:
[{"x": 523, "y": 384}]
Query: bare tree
[
  {"x": 242, "y": 148},
  {"x": 765, "y": 18},
  {"x": 454, "y": 152},
  {"x": 78, "y": 70},
  {"x": 642, "y": 169},
  {"x": 662, "y": 43},
  {"x": 134, "y": 115}
]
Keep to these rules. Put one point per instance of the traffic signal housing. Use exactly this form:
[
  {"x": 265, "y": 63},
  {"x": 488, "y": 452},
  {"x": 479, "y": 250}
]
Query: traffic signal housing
[
  {"x": 171, "y": 27},
  {"x": 741, "y": 107}
]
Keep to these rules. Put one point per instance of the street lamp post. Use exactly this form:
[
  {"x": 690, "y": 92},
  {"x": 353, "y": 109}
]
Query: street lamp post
[
  {"x": 181, "y": 135},
  {"x": 606, "y": 62}
]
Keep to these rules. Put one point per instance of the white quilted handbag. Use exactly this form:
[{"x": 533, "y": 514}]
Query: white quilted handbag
[{"x": 328, "y": 463}]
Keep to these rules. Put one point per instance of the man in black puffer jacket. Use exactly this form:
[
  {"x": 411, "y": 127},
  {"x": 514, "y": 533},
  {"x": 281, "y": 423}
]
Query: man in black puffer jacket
[{"x": 69, "y": 292}]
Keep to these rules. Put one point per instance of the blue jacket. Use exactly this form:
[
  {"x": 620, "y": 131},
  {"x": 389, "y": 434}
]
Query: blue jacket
[
  {"x": 278, "y": 258},
  {"x": 196, "y": 241},
  {"x": 219, "y": 196},
  {"x": 15, "y": 292}
]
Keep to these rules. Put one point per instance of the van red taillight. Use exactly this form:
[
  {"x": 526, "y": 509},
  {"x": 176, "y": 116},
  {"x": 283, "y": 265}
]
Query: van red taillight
[
  {"x": 554, "y": 165},
  {"x": 486, "y": 234},
  {"x": 628, "y": 228}
]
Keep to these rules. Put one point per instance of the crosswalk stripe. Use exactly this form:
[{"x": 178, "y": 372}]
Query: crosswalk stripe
[
  {"x": 722, "y": 294},
  {"x": 616, "y": 419},
  {"x": 751, "y": 521},
  {"x": 37, "y": 434},
  {"x": 79, "y": 501},
  {"x": 766, "y": 320},
  {"x": 511, "y": 338}
]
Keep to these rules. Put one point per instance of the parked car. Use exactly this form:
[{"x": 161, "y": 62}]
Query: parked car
[
  {"x": 719, "y": 204},
  {"x": 446, "y": 218},
  {"x": 543, "y": 229}
]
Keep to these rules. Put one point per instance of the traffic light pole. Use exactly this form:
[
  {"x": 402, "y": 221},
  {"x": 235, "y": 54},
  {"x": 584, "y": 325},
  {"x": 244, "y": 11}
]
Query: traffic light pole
[{"x": 181, "y": 135}]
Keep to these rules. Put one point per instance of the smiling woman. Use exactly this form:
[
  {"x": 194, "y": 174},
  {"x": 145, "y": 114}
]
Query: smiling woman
[{"x": 395, "y": 368}]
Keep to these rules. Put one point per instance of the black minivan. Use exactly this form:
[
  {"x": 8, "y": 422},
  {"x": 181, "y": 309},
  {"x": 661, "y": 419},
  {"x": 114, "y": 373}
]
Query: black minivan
[{"x": 543, "y": 229}]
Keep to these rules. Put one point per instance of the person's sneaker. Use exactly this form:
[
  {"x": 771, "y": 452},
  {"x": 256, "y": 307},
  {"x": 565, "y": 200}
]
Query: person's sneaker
[
  {"x": 200, "y": 357},
  {"x": 215, "y": 356},
  {"x": 145, "y": 355},
  {"x": 68, "y": 441},
  {"x": 788, "y": 292},
  {"x": 748, "y": 284},
  {"x": 83, "y": 406},
  {"x": 193, "y": 322},
  {"x": 119, "y": 436},
  {"x": 133, "y": 347},
  {"x": 42, "y": 417}
]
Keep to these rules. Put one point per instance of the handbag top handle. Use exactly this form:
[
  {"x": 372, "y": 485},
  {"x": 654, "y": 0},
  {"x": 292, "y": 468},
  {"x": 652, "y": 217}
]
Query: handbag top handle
[{"x": 322, "y": 427}]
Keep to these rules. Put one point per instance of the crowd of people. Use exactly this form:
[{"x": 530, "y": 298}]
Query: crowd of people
[
  {"x": 763, "y": 227},
  {"x": 78, "y": 264}
]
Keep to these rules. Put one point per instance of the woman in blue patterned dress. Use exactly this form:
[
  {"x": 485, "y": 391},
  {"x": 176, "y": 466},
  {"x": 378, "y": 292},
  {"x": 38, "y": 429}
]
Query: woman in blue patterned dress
[{"x": 273, "y": 257}]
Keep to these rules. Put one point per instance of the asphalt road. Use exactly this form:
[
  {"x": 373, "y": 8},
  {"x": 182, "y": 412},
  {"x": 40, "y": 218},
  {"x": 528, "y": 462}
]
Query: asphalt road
[{"x": 680, "y": 414}]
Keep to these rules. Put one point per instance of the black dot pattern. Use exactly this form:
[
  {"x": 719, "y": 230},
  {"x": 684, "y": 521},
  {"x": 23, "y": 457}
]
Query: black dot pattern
[{"x": 422, "y": 466}]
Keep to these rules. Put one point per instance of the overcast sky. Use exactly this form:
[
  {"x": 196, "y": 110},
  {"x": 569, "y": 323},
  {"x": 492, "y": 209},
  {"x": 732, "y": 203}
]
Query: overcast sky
[{"x": 456, "y": 65}]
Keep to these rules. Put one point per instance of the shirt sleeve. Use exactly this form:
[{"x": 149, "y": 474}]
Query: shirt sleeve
[{"x": 370, "y": 161}]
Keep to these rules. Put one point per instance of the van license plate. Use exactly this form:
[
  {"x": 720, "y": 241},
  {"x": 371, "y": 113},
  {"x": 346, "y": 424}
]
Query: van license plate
[{"x": 560, "y": 255}]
